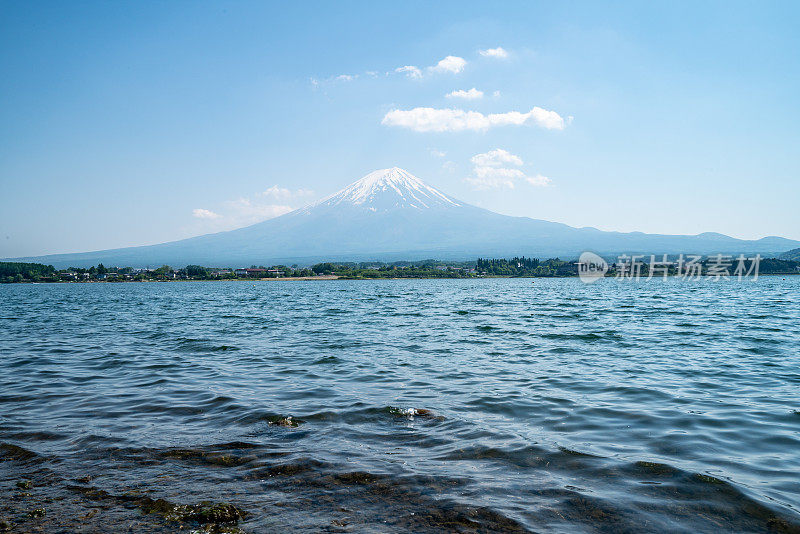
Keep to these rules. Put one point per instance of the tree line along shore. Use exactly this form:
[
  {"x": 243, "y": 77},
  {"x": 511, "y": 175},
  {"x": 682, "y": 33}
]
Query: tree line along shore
[{"x": 13, "y": 272}]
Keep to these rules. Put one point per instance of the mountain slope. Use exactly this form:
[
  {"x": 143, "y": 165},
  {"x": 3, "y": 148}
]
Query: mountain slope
[
  {"x": 389, "y": 215},
  {"x": 793, "y": 255}
]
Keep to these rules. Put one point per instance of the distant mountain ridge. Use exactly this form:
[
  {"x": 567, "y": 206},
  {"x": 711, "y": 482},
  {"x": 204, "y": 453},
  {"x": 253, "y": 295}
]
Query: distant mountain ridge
[{"x": 390, "y": 214}]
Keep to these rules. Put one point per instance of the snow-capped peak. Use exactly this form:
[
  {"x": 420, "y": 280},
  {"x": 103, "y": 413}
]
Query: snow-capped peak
[{"x": 390, "y": 188}]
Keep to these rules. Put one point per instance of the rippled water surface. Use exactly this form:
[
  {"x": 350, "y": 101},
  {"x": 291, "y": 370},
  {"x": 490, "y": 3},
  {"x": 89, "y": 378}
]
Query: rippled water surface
[{"x": 421, "y": 405}]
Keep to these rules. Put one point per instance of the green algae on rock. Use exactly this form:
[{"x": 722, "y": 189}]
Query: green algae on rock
[
  {"x": 218, "y": 459},
  {"x": 38, "y": 512},
  {"x": 203, "y": 513}
]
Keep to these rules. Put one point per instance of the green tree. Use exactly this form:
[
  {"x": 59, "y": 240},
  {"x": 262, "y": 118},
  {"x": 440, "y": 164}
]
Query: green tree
[
  {"x": 196, "y": 271},
  {"x": 323, "y": 268}
]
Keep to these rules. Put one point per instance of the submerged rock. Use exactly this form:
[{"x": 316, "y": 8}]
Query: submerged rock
[
  {"x": 15, "y": 452},
  {"x": 208, "y": 512},
  {"x": 156, "y": 506},
  {"x": 413, "y": 412},
  {"x": 38, "y": 512},
  {"x": 218, "y": 529},
  {"x": 287, "y": 421},
  {"x": 708, "y": 479},
  {"x": 211, "y": 458},
  {"x": 204, "y": 513},
  {"x": 656, "y": 468},
  {"x": 24, "y": 484}
]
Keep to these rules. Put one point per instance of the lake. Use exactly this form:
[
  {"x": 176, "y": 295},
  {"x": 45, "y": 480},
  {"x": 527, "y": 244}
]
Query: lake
[{"x": 490, "y": 405}]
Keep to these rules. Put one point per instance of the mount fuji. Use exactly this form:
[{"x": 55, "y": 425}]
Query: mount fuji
[{"x": 389, "y": 215}]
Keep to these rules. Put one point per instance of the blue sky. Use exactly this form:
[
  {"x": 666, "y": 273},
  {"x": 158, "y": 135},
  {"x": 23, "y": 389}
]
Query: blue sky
[{"x": 127, "y": 123}]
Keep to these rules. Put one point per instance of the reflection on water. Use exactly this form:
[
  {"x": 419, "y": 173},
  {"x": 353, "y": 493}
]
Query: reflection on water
[{"x": 414, "y": 405}]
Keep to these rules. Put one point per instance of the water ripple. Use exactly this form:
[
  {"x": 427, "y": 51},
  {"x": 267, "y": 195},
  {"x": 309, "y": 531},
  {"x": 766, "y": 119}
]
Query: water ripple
[{"x": 412, "y": 405}]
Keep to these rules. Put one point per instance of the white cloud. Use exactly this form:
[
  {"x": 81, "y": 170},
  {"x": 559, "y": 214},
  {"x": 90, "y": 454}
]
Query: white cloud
[
  {"x": 496, "y": 94},
  {"x": 410, "y": 70},
  {"x": 471, "y": 94},
  {"x": 494, "y": 52},
  {"x": 457, "y": 120},
  {"x": 496, "y": 158},
  {"x": 491, "y": 171},
  {"x": 201, "y": 213},
  {"x": 344, "y": 78},
  {"x": 452, "y": 64},
  {"x": 438, "y": 153}
]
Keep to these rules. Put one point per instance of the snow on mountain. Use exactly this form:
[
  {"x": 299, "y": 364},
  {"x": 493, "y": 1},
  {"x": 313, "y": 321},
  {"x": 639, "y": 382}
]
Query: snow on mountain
[{"x": 386, "y": 189}]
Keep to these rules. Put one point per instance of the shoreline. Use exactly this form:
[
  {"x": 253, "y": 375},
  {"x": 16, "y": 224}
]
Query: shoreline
[{"x": 336, "y": 277}]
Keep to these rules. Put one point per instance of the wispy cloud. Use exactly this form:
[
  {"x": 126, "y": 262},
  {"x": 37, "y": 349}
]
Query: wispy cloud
[
  {"x": 244, "y": 211},
  {"x": 494, "y": 170},
  {"x": 494, "y": 52},
  {"x": 278, "y": 192},
  {"x": 448, "y": 64},
  {"x": 496, "y": 158},
  {"x": 493, "y": 178},
  {"x": 451, "y": 64},
  {"x": 268, "y": 204},
  {"x": 201, "y": 213},
  {"x": 457, "y": 120},
  {"x": 410, "y": 70},
  {"x": 469, "y": 94},
  {"x": 538, "y": 180}
]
